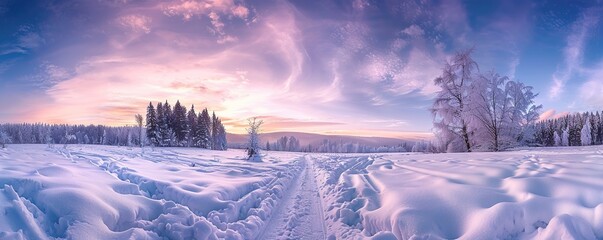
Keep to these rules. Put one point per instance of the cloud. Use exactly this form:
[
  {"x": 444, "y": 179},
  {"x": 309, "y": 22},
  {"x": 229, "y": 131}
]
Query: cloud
[
  {"x": 573, "y": 51},
  {"x": 403, "y": 76},
  {"x": 49, "y": 75},
  {"x": 136, "y": 23},
  {"x": 360, "y": 4},
  {"x": 190, "y": 8},
  {"x": 215, "y": 10},
  {"x": 591, "y": 91},
  {"x": 551, "y": 114},
  {"x": 29, "y": 40},
  {"x": 240, "y": 11},
  {"x": 413, "y": 31}
]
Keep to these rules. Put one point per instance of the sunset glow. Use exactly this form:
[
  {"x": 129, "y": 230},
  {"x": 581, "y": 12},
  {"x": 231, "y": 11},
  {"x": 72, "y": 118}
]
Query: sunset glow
[{"x": 351, "y": 67}]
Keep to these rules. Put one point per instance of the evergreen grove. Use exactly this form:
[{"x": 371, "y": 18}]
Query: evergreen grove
[{"x": 168, "y": 127}]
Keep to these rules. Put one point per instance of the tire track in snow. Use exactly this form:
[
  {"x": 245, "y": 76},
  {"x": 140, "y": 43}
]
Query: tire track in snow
[{"x": 300, "y": 214}]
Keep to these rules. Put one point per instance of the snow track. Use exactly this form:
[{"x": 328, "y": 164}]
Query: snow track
[{"x": 300, "y": 214}]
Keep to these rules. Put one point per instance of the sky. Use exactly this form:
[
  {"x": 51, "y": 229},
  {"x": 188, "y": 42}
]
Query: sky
[{"x": 356, "y": 67}]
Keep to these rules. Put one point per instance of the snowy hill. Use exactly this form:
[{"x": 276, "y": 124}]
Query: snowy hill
[{"x": 105, "y": 192}]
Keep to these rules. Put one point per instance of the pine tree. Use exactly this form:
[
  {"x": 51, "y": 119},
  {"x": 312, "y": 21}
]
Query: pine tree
[
  {"x": 168, "y": 138},
  {"x": 221, "y": 136},
  {"x": 565, "y": 137},
  {"x": 585, "y": 134},
  {"x": 163, "y": 123},
  {"x": 214, "y": 131},
  {"x": 203, "y": 131},
  {"x": 192, "y": 127},
  {"x": 152, "y": 125},
  {"x": 179, "y": 123},
  {"x": 558, "y": 141},
  {"x": 139, "y": 122}
]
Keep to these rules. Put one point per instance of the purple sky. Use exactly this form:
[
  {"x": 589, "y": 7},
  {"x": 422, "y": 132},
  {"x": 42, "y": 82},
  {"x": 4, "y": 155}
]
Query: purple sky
[{"x": 348, "y": 67}]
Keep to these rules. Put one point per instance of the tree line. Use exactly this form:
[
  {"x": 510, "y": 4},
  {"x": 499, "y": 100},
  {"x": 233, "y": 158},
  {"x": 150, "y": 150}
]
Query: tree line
[
  {"x": 476, "y": 111},
  {"x": 578, "y": 129},
  {"x": 292, "y": 144},
  {"x": 168, "y": 127},
  {"x": 165, "y": 127},
  {"x": 42, "y": 133}
]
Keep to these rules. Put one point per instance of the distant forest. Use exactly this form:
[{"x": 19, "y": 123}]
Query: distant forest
[
  {"x": 164, "y": 127},
  {"x": 579, "y": 129}
]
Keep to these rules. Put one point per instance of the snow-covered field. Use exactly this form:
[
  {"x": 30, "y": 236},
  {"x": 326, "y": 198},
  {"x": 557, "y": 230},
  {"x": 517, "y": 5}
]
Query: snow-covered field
[{"x": 103, "y": 192}]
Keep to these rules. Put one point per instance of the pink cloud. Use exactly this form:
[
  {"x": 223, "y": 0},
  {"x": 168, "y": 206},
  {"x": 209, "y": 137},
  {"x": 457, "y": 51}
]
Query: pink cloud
[{"x": 552, "y": 114}]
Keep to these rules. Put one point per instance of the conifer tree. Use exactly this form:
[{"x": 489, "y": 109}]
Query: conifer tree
[
  {"x": 203, "y": 132},
  {"x": 168, "y": 138},
  {"x": 179, "y": 123},
  {"x": 152, "y": 125},
  {"x": 214, "y": 131},
  {"x": 191, "y": 118},
  {"x": 162, "y": 126}
]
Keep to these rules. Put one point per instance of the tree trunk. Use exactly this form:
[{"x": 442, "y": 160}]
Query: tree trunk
[{"x": 466, "y": 138}]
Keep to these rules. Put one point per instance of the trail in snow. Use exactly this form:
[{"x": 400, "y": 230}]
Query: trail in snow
[{"x": 300, "y": 214}]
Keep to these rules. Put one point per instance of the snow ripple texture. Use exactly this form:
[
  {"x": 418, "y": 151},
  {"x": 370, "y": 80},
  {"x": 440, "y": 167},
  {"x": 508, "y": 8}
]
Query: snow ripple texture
[
  {"x": 541, "y": 193},
  {"x": 103, "y": 192}
]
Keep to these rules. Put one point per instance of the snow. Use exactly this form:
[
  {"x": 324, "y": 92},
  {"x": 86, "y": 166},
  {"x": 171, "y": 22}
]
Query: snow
[
  {"x": 550, "y": 193},
  {"x": 103, "y": 192},
  {"x": 107, "y": 192}
]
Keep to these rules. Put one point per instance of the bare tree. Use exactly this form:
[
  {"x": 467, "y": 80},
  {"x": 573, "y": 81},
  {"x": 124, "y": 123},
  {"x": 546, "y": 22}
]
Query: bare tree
[
  {"x": 253, "y": 150},
  {"x": 138, "y": 118}
]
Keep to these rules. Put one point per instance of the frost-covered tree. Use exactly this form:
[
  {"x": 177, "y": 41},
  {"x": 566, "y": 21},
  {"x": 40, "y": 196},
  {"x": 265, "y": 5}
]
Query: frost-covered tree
[
  {"x": 488, "y": 111},
  {"x": 565, "y": 137},
  {"x": 585, "y": 134},
  {"x": 221, "y": 143},
  {"x": 4, "y": 139},
  {"x": 524, "y": 111},
  {"x": 557, "y": 138},
  {"x": 450, "y": 110},
  {"x": 491, "y": 108},
  {"x": 139, "y": 121},
  {"x": 253, "y": 131},
  {"x": 295, "y": 146},
  {"x": 152, "y": 128}
]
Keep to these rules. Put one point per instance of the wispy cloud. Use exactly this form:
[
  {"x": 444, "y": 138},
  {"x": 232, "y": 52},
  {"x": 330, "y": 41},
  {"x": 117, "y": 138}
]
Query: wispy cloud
[
  {"x": 573, "y": 51},
  {"x": 214, "y": 10},
  {"x": 552, "y": 114},
  {"x": 591, "y": 91},
  {"x": 136, "y": 23}
]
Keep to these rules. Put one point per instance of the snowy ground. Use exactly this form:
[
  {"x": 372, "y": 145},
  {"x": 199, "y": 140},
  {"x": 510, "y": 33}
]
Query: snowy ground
[
  {"x": 552, "y": 193},
  {"x": 103, "y": 192}
]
